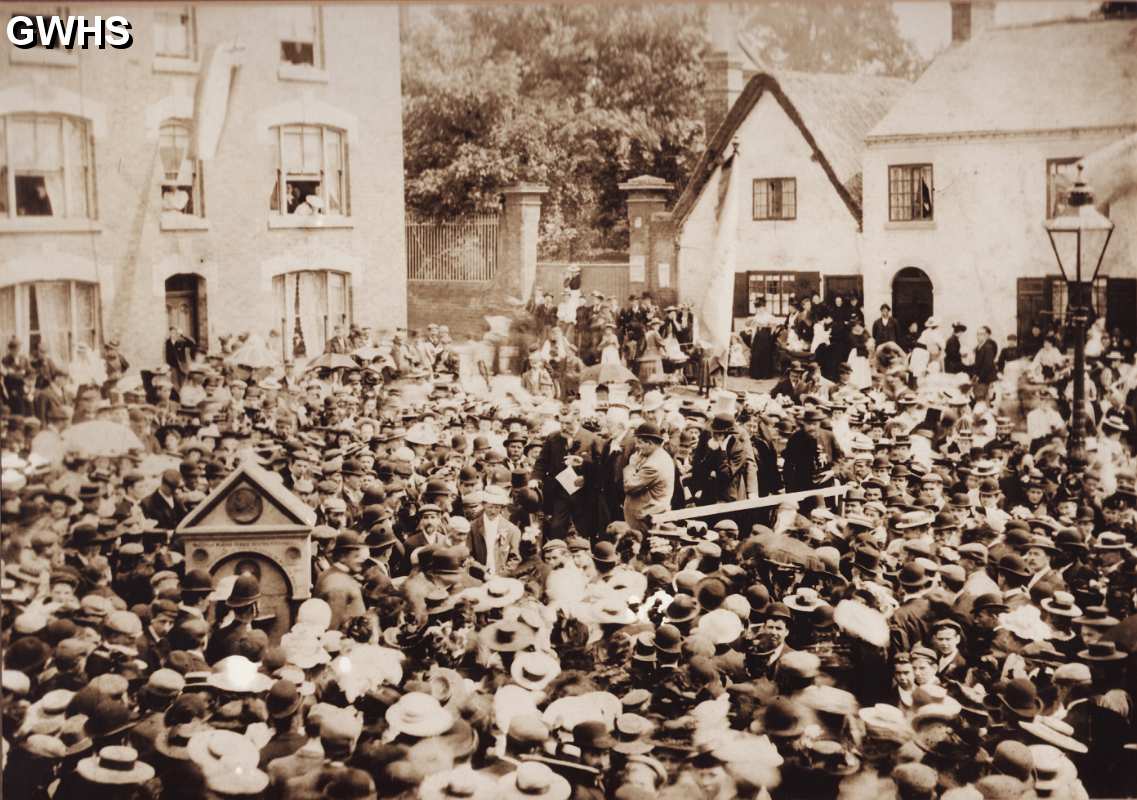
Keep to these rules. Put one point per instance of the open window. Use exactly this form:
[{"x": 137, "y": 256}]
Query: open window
[
  {"x": 311, "y": 174},
  {"x": 181, "y": 172},
  {"x": 312, "y": 303},
  {"x": 62, "y": 315},
  {"x": 300, "y": 36},
  {"x": 46, "y": 166}
]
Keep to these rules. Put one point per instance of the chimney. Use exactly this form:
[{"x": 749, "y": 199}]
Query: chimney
[
  {"x": 723, "y": 65},
  {"x": 970, "y": 17}
]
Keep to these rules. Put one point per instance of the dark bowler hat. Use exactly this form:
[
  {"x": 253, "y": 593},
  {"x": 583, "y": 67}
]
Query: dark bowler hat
[
  {"x": 649, "y": 431},
  {"x": 283, "y": 699},
  {"x": 1021, "y": 697},
  {"x": 722, "y": 423},
  {"x": 197, "y": 581},
  {"x": 246, "y": 591}
]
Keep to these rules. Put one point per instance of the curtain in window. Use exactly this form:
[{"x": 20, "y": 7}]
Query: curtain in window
[
  {"x": 290, "y": 303},
  {"x": 86, "y": 314},
  {"x": 313, "y": 308},
  {"x": 51, "y": 301},
  {"x": 333, "y": 166},
  {"x": 75, "y": 143},
  {"x": 8, "y": 327},
  {"x": 37, "y": 149},
  {"x": 171, "y": 33}
]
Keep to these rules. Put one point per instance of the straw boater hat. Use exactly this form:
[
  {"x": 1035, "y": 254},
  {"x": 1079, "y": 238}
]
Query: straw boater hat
[
  {"x": 461, "y": 783},
  {"x": 497, "y": 592},
  {"x": 419, "y": 714},
  {"x": 534, "y": 670},
  {"x": 115, "y": 766},
  {"x": 533, "y": 781}
]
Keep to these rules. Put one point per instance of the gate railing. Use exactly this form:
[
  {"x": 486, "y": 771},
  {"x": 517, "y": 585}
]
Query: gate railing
[{"x": 464, "y": 250}]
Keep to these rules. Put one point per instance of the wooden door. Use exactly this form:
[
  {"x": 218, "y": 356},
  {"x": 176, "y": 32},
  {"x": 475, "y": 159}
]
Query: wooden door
[
  {"x": 1121, "y": 306},
  {"x": 181, "y": 311},
  {"x": 1033, "y": 304},
  {"x": 913, "y": 298}
]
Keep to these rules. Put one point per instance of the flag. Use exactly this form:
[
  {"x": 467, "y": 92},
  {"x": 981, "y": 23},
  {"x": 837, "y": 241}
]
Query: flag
[
  {"x": 212, "y": 100},
  {"x": 716, "y": 309}
]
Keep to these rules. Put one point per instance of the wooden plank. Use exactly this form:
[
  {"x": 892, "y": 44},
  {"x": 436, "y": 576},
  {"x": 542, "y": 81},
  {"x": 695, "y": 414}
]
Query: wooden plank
[{"x": 746, "y": 505}]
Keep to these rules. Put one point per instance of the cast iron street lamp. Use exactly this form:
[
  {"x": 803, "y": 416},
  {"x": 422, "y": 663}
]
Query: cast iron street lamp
[{"x": 1079, "y": 236}]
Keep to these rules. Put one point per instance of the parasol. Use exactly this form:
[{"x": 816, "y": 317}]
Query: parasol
[
  {"x": 49, "y": 446},
  {"x": 155, "y": 464},
  {"x": 129, "y": 383},
  {"x": 100, "y": 438},
  {"x": 370, "y": 352},
  {"x": 332, "y": 361},
  {"x": 254, "y": 354}
]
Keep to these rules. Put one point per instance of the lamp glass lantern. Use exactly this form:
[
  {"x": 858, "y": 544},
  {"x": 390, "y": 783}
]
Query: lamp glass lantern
[{"x": 1079, "y": 236}]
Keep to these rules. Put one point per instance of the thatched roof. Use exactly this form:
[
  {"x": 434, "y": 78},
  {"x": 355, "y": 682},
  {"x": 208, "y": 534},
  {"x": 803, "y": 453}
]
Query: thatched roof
[
  {"x": 833, "y": 113},
  {"x": 1049, "y": 76}
]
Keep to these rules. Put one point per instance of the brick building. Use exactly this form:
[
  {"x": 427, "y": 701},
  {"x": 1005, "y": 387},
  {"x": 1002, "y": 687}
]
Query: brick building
[{"x": 239, "y": 168}]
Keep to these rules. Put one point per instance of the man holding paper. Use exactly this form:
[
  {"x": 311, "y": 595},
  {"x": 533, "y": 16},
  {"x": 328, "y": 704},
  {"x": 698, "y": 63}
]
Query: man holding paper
[
  {"x": 562, "y": 473},
  {"x": 649, "y": 478}
]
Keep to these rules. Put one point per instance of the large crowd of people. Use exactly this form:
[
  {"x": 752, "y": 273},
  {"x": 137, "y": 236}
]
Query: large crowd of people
[{"x": 888, "y": 576}]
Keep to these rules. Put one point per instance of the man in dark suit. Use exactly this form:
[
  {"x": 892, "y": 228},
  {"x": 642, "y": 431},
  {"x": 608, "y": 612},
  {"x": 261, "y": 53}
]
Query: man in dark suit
[
  {"x": 162, "y": 505},
  {"x": 570, "y": 446},
  {"x": 723, "y": 465},
  {"x": 809, "y": 456},
  {"x": 885, "y": 329},
  {"x": 984, "y": 372},
  {"x": 179, "y": 351}
]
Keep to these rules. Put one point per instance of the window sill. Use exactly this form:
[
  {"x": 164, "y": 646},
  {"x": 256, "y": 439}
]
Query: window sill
[
  {"x": 178, "y": 66},
  {"x": 918, "y": 225},
  {"x": 44, "y": 58},
  {"x": 172, "y": 221},
  {"x": 49, "y": 225},
  {"x": 301, "y": 72},
  {"x": 774, "y": 219},
  {"x": 281, "y": 221}
]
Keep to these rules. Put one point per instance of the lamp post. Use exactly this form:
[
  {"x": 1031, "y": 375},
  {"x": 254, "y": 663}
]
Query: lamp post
[{"x": 1079, "y": 235}]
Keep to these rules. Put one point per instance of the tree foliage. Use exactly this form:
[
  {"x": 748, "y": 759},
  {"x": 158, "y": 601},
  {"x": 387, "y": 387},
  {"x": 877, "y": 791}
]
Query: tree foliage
[
  {"x": 861, "y": 37},
  {"x": 583, "y": 97},
  {"x": 575, "y": 97}
]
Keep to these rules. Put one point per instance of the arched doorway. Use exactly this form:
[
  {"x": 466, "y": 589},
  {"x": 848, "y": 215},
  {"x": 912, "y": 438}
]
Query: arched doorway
[
  {"x": 912, "y": 296},
  {"x": 185, "y": 306},
  {"x": 274, "y": 609}
]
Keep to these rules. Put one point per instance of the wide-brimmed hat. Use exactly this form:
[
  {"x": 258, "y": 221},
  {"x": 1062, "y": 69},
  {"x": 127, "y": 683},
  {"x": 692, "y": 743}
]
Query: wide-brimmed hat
[
  {"x": 1021, "y": 697},
  {"x": 832, "y": 758},
  {"x": 419, "y": 714},
  {"x": 534, "y": 670},
  {"x": 1102, "y": 651},
  {"x": 1054, "y": 732},
  {"x": 1061, "y": 604},
  {"x": 533, "y": 780},
  {"x": 211, "y": 749},
  {"x": 497, "y": 592},
  {"x": 805, "y": 599},
  {"x": 239, "y": 675},
  {"x": 173, "y": 742},
  {"x": 115, "y": 766},
  {"x": 1097, "y": 617},
  {"x": 720, "y": 626},
  {"x": 506, "y": 636},
  {"x": 460, "y": 783},
  {"x": 612, "y": 609},
  {"x": 682, "y": 608}
]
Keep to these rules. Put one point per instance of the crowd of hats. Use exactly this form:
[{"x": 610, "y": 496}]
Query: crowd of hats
[{"x": 958, "y": 625}]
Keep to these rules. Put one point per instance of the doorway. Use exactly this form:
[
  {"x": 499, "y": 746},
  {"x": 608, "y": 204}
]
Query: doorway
[
  {"x": 185, "y": 306},
  {"x": 912, "y": 297}
]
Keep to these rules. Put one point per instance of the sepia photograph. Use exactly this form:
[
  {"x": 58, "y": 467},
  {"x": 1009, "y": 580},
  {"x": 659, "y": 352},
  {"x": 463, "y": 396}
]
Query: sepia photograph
[{"x": 521, "y": 401}]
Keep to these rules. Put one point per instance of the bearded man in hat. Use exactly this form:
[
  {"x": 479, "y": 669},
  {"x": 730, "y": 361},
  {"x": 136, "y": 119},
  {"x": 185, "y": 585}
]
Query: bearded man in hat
[{"x": 724, "y": 464}]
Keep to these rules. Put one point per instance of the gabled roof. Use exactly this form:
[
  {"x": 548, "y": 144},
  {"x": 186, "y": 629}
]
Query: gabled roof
[
  {"x": 1048, "y": 76},
  {"x": 833, "y": 113},
  {"x": 269, "y": 486}
]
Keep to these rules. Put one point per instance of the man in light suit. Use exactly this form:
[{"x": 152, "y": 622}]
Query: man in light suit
[
  {"x": 494, "y": 541},
  {"x": 649, "y": 478}
]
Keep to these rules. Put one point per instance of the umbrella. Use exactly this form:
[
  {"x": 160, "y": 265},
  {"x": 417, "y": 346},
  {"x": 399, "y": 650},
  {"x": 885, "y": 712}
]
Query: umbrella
[
  {"x": 129, "y": 383},
  {"x": 332, "y": 361},
  {"x": 786, "y": 550},
  {"x": 156, "y": 464},
  {"x": 100, "y": 438},
  {"x": 49, "y": 446},
  {"x": 254, "y": 354}
]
